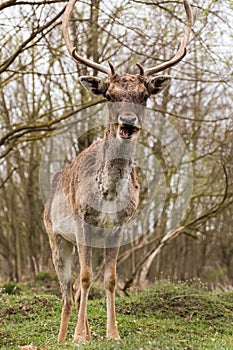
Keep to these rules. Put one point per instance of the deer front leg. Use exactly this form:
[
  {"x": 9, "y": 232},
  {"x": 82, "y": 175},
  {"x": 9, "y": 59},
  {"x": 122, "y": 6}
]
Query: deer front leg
[
  {"x": 82, "y": 332},
  {"x": 110, "y": 279}
]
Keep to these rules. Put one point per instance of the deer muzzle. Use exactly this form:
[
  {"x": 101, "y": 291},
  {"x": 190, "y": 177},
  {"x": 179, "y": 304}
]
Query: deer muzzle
[{"x": 129, "y": 125}]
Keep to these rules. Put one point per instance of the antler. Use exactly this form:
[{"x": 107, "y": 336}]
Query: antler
[
  {"x": 72, "y": 50},
  {"x": 182, "y": 48},
  {"x": 177, "y": 58}
]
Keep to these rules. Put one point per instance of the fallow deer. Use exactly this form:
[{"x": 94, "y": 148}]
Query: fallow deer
[{"x": 102, "y": 176}]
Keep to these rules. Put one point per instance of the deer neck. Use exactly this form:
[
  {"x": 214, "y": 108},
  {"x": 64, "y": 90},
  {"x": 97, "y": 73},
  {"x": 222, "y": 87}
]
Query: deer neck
[{"x": 115, "y": 165}]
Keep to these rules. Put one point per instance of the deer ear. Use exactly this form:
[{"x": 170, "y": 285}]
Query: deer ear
[
  {"x": 95, "y": 85},
  {"x": 159, "y": 83}
]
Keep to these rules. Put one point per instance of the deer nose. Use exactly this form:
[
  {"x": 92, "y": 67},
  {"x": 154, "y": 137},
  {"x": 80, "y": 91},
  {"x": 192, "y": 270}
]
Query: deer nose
[{"x": 129, "y": 119}]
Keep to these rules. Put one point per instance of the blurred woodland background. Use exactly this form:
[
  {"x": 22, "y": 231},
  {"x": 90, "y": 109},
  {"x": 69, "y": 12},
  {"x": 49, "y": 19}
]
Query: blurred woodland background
[{"x": 39, "y": 90}]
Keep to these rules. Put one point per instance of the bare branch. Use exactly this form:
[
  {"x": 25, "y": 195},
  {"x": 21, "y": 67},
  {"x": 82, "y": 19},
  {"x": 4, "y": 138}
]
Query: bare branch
[
  {"x": 11, "y": 59},
  {"x": 11, "y": 3}
]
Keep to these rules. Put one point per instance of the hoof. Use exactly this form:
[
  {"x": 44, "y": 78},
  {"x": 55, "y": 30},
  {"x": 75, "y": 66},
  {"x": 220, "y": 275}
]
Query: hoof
[
  {"x": 82, "y": 338},
  {"x": 114, "y": 336}
]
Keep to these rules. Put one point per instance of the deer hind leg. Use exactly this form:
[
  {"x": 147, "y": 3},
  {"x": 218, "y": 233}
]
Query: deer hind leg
[
  {"x": 82, "y": 331},
  {"x": 62, "y": 259},
  {"x": 110, "y": 279}
]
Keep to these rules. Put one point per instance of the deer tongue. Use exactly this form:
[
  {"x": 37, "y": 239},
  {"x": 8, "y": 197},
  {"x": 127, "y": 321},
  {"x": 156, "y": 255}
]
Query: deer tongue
[{"x": 125, "y": 132}]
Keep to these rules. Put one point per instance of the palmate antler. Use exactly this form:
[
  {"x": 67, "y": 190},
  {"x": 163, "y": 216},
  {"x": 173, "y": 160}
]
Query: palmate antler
[{"x": 111, "y": 71}]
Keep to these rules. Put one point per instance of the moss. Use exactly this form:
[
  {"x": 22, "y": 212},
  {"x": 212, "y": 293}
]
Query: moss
[
  {"x": 45, "y": 276},
  {"x": 11, "y": 288}
]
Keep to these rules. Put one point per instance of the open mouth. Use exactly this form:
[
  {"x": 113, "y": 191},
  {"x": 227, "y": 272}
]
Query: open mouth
[{"x": 127, "y": 131}]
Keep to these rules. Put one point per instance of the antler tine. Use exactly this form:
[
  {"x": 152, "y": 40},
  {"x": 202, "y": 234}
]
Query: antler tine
[
  {"x": 183, "y": 43},
  {"x": 141, "y": 69},
  {"x": 71, "y": 49},
  {"x": 113, "y": 72}
]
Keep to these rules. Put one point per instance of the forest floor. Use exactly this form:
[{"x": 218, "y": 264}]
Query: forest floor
[{"x": 167, "y": 316}]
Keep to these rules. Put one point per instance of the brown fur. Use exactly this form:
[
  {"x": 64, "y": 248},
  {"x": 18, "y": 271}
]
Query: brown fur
[{"x": 103, "y": 176}]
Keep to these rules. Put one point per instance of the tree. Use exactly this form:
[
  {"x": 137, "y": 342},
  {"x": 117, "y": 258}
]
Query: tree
[{"x": 40, "y": 95}]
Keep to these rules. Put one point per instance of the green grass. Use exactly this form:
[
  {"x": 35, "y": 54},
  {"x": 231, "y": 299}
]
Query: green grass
[{"x": 169, "y": 316}]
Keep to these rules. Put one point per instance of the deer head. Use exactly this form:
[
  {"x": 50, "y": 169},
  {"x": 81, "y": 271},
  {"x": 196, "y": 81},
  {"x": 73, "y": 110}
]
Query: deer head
[
  {"x": 127, "y": 89},
  {"x": 129, "y": 94}
]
